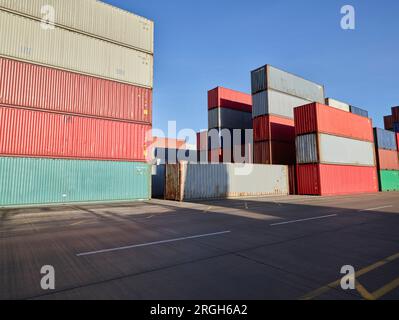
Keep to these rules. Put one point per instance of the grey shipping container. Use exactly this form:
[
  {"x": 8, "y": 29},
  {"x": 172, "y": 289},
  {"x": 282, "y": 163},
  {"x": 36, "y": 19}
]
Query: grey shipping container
[
  {"x": 329, "y": 149},
  {"x": 202, "y": 156},
  {"x": 212, "y": 181},
  {"x": 269, "y": 77},
  {"x": 92, "y": 17},
  {"x": 158, "y": 181},
  {"x": 25, "y": 39},
  {"x": 385, "y": 139},
  {"x": 359, "y": 112},
  {"x": 276, "y": 103},
  {"x": 228, "y": 118}
]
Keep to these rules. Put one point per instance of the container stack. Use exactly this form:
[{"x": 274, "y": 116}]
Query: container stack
[
  {"x": 75, "y": 103},
  {"x": 275, "y": 94},
  {"x": 335, "y": 152},
  {"x": 395, "y": 119},
  {"x": 229, "y": 117},
  {"x": 202, "y": 146},
  {"x": 387, "y": 159}
]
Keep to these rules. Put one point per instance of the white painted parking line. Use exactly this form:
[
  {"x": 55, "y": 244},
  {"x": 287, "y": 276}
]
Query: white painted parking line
[
  {"x": 302, "y": 220},
  {"x": 378, "y": 208},
  {"x": 152, "y": 243}
]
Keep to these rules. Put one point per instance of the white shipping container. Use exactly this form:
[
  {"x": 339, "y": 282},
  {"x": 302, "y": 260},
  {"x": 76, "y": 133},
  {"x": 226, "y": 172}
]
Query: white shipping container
[
  {"x": 24, "y": 39},
  {"x": 276, "y": 103},
  {"x": 212, "y": 181},
  {"x": 338, "y": 104},
  {"x": 329, "y": 149},
  {"x": 92, "y": 17}
]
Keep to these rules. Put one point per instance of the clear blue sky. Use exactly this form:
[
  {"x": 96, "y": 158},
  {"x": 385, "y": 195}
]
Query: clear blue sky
[{"x": 202, "y": 44}]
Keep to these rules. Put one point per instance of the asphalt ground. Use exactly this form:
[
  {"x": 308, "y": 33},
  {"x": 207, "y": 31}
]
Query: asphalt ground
[{"x": 256, "y": 248}]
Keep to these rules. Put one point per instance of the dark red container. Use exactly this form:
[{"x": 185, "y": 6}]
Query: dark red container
[
  {"x": 388, "y": 159},
  {"x": 397, "y": 140},
  {"x": 227, "y": 155},
  {"x": 274, "y": 152},
  {"x": 33, "y": 86},
  {"x": 395, "y": 114},
  {"x": 292, "y": 179},
  {"x": 388, "y": 122},
  {"x": 326, "y": 180},
  {"x": 320, "y": 118},
  {"x": 274, "y": 128},
  {"x": 31, "y": 133},
  {"x": 231, "y": 99}
]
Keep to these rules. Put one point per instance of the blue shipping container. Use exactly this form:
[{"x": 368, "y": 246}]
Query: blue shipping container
[
  {"x": 359, "y": 112},
  {"x": 385, "y": 139},
  {"x": 158, "y": 181}
]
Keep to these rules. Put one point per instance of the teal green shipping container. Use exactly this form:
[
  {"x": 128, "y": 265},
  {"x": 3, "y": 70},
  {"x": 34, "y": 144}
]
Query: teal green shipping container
[
  {"x": 31, "y": 181},
  {"x": 389, "y": 180}
]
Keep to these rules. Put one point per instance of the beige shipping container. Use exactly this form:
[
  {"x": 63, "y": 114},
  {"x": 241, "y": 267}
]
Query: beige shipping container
[
  {"x": 338, "y": 104},
  {"x": 24, "y": 39},
  {"x": 92, "y": 17}
]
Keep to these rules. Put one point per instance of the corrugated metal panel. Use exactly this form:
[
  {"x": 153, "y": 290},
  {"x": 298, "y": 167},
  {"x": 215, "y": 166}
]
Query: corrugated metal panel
[
  {"x": 359, "y": 112},
  {"x": 315, "y": 117},
  {"x": 396, "y": 127},
  {"x": 228, "y": 118},
  {"x": 325, "y": 180},
  {"x": 307, "y": 149},
  {"x": 258, "y": 80},
  {"x": 158, "y": 181},
  {"x": 202, "y": 141},
  {"x": 388, "y": 159},
  {"x": 73, "y": 51},
  {"x": 285, "y": 82},
  {"x": 397, "y": 140},
  {"x": 172, "y": 182},
  {"x": 292, "y": 180},
  {"x": 203, "y": 156},
  {"x": 275, "y": 128},
  {"x": 389, "y": 180},
  {"x": 43, "y": 134},
  {"x": 275, "y": 103},
  {"x": 388, "y": 122},
  {"x": 338, "y": 104},
  {"x": 212, "y": 181},
  {"x": 328, "y": 149},
  {"x": 274, "y": 152},
  {"x": 230, "y": 99},
  {"x": 28, "y": 181},
  {"x": 395, "y": 114},
  {"x": 92, "y": 17},
  {"x": 385, "y": 139},
  {"x": 33, "y": 86},
  {"x": 237, "y": 154}
]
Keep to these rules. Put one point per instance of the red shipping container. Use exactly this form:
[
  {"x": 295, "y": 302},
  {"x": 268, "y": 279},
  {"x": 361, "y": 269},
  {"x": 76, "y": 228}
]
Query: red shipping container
[
  {"x": 395, "y": 114},
  {"x": 292, "y": 179},
  {"x": 327, "y": 180},
  {"x": 388, "y": 122},
  {"x": 320, "y": 118},
  {"x": 274, "y": 128},
  {"x": 31, "y": 133},
  {"x": 231, "y": 99},
  {"x": 33, "y": 86},
  {"x": 397, "y": 140},
  {"x": 387, "y": 159},
  {"x": 274, "y": 152}
]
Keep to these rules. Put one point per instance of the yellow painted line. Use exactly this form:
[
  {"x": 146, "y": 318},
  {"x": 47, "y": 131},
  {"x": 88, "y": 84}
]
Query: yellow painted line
[
  {"x": 363, "y": 292},
  {"x": 318, "y": 292},
  {"x": 386, "y": 289}
]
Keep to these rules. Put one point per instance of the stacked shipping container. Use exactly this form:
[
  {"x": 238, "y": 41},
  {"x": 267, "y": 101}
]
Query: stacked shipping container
[
  {"x": 275, "y": 95},
  {"x": 387, "y": 159},
  {"x": 75, "y": 102},
  {"x": 229, "y": 117},
  {"x": 335, "y": 151}
]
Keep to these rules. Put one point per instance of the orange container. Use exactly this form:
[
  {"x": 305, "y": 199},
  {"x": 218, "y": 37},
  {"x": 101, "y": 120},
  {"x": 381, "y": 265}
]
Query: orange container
[
  {"x": 320, "y": 118},
  {"x": 387, "y": 159},
  {"x": 231, "y": 99}
]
